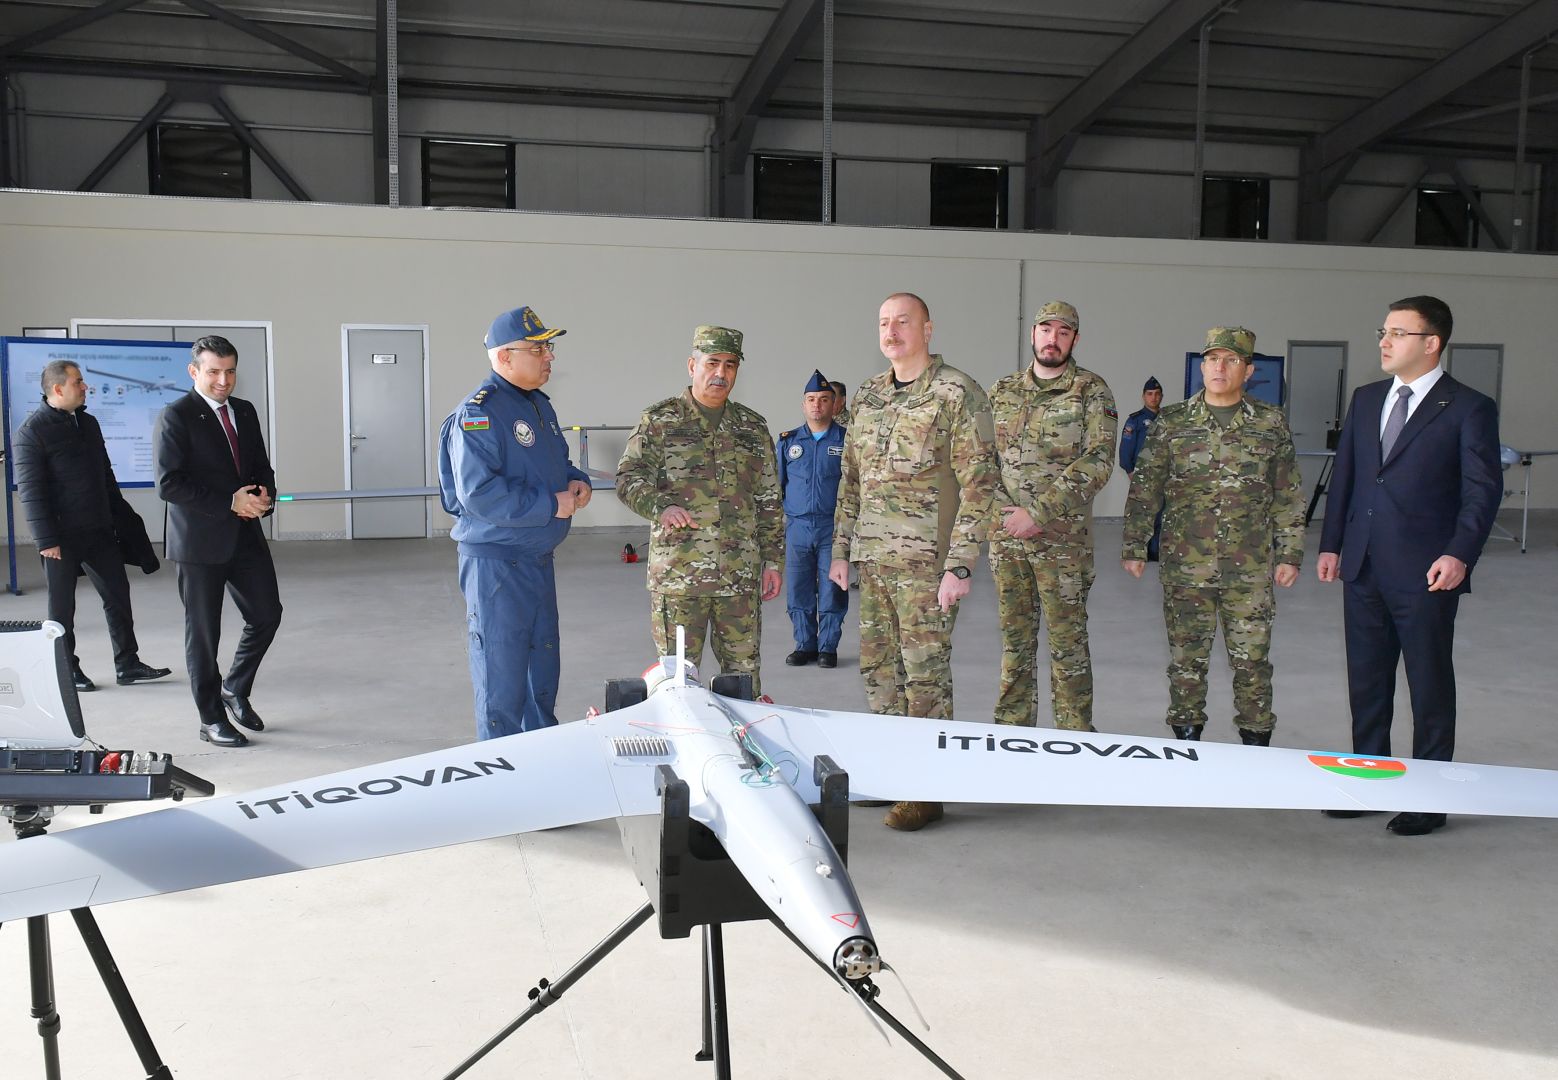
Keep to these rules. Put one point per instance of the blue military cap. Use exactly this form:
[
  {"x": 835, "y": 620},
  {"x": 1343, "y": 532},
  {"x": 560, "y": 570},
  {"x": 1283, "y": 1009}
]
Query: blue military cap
[
  {"x": 817, "y": 384},
  {"x": 521, "y": 324},
  {"x": 1152, "y": 384}
]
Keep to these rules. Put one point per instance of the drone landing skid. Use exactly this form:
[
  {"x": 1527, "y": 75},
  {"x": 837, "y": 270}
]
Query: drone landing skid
[{"x": 692, "y": 882}]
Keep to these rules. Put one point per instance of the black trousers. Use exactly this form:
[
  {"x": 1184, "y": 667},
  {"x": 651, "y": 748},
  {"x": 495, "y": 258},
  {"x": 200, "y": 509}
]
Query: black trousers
[
  {"x": 250, "y": 577},
  {"x": 98, "y": 554},
  {"x": 1383, "y": 627}
]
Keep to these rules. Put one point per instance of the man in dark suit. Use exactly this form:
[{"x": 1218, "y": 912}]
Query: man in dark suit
[
  {"x": 1415, "y": 489},
  {"x": 214, "y": 474},
  {"x": 74, "y": 507}
]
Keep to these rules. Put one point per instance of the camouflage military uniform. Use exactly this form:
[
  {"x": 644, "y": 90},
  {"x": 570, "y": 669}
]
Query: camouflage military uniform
[
  {"x": 1054, "y": 442},
  {"x": 725, "y": 478},
  {"x": 914, "y": 501},
  {"x": 1233, "y": 508}
]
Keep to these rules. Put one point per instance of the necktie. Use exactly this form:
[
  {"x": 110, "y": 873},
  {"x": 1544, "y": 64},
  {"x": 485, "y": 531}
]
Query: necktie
[
  {"x": 1394, "y": 423},
  {"x": 232, "y": 435}
]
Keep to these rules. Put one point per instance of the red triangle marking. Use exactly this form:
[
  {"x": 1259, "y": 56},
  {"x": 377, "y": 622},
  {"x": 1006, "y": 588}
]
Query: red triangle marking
[{"x": 850, "y": 919}]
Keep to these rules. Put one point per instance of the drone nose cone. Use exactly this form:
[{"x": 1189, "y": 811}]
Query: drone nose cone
[{"x": 856, "y": 958}]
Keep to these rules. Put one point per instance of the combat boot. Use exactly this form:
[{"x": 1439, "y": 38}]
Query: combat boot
[
  {"x": 912, "y": 816},
  {"x": 1254, "y": 738},
  {"x": 1187, "y": 732}
]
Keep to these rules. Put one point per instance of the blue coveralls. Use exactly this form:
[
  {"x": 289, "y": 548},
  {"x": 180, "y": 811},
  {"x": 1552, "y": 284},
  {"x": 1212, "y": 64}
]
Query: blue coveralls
[
  {"x": 501, "y": 456},
  {"x": 1132, "y": 437},
  {"x": 809, "y": 471}
]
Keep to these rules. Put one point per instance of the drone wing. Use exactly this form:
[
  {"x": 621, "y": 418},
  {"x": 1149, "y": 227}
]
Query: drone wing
[
  {"x": 891, "y": 757},
  {"x": 539, "y": 780}
]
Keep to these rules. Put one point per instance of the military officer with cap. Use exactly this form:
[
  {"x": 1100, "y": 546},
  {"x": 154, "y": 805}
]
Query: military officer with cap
[
  {"x": 1131, "y": 438},
  {"x": 504, "y": 474},
  {"x": 1223, "y": 468},
  {"x": 700, "y": 467},
  {"x": 1054, "y": 441},
  {"x": 810, "y": 460}
]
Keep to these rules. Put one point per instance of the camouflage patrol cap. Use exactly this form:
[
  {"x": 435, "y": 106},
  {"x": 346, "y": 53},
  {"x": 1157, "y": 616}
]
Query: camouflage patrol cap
[
  {"x": 1234, "y": 338},
  {"x": 710, "y": 340},
  {"x": 1058, "y": 311}
]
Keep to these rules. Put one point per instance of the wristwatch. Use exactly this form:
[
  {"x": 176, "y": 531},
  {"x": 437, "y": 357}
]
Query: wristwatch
[{"x": 962, "y": 573}]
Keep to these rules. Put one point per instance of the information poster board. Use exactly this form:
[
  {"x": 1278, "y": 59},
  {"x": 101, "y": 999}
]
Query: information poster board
[{"x": 128, "y": 383}]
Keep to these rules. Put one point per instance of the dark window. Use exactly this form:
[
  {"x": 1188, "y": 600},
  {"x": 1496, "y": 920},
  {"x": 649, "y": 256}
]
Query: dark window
[
  {"x": 1445, "y": 219},
  {"x": 1235, "y": 208},
  {"x": 467, "y": 174},
  {"x": 790, "y": 188},
  {"x": 968, "y": 196},
  {"x": 187, "y": 159}
]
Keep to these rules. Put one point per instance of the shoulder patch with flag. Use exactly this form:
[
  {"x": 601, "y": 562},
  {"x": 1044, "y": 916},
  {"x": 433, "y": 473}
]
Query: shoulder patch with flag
[
  {"x": 1365, "y": 768},
  {"x": 474, "y": 423}
]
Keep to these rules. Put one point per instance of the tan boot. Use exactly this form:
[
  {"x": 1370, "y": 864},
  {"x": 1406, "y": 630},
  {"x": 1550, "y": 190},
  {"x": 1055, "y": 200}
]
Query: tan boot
[{"x": 912, "y": 816}]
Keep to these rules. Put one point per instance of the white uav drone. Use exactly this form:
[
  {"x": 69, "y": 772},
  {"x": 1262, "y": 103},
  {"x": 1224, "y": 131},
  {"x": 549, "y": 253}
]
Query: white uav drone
[{"x": 711, "y": 789}]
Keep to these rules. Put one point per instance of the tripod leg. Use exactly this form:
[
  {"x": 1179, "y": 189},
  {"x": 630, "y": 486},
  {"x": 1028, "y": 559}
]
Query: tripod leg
[
  {"x": 41, "y": 967},
  {"x": 543, "y": 994},
  {"x": 119, "y": 994},
  {"x": 716, "y": 1007},
  {"x": 869, "y": 997},
  {"x": 706, "y": 1051}
]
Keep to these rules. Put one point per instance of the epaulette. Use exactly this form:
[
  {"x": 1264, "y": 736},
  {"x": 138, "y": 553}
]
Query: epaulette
[
  {"x": 787, "y": 434},
  {"x": 480, "y": 396}
]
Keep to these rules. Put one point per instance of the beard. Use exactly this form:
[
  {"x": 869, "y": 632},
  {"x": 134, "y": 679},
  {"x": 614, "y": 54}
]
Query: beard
[{"x": 1051, "y": 362}]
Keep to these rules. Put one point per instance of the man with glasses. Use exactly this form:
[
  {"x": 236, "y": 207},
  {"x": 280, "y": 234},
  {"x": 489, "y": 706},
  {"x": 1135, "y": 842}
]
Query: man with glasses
[
  {"x": 701, "y": 468},
  {"x": 1416, "y": 486},
  {"x": 505, "y": 477},
  {"x": 1223, "y": 468}
]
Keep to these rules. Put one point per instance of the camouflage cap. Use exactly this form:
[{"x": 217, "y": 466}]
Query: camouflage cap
[
  {"x": 1058, "y": 311},
  {"x": 710, "y": 340},
  {"x": 1234, "y": 338}
]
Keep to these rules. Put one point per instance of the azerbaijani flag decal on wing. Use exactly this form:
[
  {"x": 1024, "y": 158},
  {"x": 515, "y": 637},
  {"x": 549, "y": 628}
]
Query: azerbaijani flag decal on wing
[{"x": 1363, "y": 767}]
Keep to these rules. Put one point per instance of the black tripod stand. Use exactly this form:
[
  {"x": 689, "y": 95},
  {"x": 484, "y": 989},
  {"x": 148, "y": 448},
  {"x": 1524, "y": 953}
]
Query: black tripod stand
[
  {"x": 40, "y": 964},
  {"x": 695, "y": 884}
]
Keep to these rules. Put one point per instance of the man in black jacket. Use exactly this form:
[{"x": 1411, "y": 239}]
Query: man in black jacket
[
  {"x": 216, "y": 477},
  {"x": 72, "y": 501}
]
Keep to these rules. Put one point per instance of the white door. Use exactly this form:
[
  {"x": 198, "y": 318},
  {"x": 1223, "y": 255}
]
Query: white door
[
  {"x": 1480, "y": 367},
  {"x": 1317, "y": 378},
  {"x": 386, "y": 427}
]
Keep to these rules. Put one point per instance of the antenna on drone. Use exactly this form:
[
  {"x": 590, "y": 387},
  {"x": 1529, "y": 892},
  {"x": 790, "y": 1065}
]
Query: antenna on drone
[{"x": 681, "y": 656}]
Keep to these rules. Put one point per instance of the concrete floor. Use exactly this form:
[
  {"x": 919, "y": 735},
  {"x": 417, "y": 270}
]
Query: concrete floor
[{"x": 1056, "y": 942}]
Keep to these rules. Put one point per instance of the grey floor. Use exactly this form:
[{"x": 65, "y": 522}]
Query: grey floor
[{"x": 1039, "y": 942}]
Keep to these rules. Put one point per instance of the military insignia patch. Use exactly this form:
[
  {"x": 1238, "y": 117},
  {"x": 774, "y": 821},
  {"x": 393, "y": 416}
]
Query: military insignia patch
[
  {"x": 795, "y": 452},
  {"x": 524, "y": 434},
  {"x": 1111, "y": 414},
  {"x": 474, "y": 423},
  {"x": 836, "y": 451}
]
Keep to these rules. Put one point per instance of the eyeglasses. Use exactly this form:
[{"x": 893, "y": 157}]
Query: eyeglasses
[
  {"x": 1221, "y": 361},
  {"x": 540, "y": 349},
  {"x": 1396, "y": 334}
]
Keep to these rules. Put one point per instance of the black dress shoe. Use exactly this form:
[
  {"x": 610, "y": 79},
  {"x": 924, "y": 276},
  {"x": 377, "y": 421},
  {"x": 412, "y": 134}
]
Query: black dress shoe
[
  {"x": 139, "y": 672},
  {"x": 800, "y": 658},
  {"x": 1344, "y": 813},
  {"x": 1187, "y": 732},
  {"x": 83, "y": 684},
  {"x": 1415, "y": 824},
  {"x": 827, "y": 659},
  {"x": 242, "y": 712},
  {"x": 223, "y": 734}
]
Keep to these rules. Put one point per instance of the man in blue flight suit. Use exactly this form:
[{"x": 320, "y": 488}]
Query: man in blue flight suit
[
  {"x": 1133, "y": 435},
  {"x": 504, "y": 474},
  {"x": 811, "y": 459}
]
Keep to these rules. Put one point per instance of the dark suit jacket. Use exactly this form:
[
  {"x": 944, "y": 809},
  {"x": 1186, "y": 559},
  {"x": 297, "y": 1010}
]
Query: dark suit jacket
[
  {"x": 197, "y": 479},
  {"x": 1436, "y": 495}
]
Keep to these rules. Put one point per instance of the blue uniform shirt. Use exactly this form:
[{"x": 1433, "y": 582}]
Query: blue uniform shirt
[
  {"x": 809, "y": 470},
  {"x": 501, "y": 457},
  {"x": 1134, "y": 435}
]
